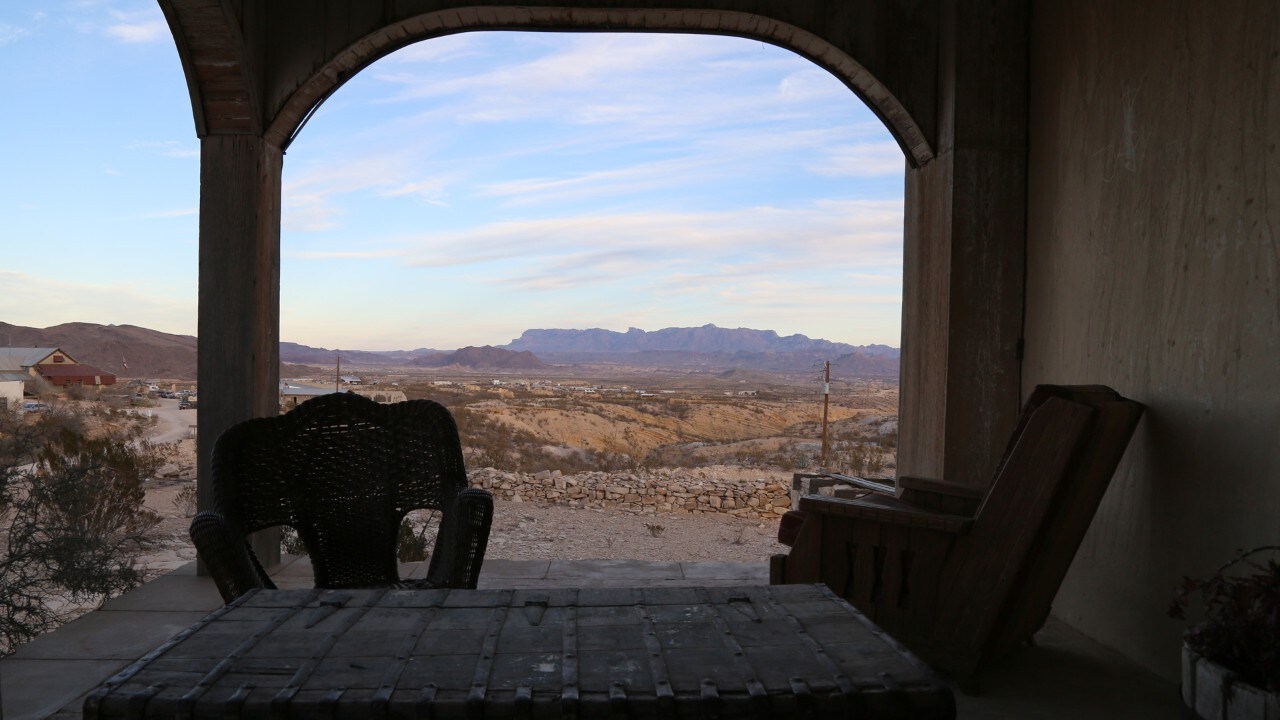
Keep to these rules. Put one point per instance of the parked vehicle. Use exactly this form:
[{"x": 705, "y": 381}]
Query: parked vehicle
[{"x": 34, "y": 407}]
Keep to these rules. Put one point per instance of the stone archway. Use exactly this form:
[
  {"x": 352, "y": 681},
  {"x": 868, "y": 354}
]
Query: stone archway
[
  {"x": 297, "y": 107},
  {"x": 949, "y": 80}
]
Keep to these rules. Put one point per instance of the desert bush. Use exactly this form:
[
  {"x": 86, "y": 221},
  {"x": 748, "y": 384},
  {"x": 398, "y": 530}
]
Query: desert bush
[
  {"x": 417, "y": 537},
  {"x": 291, "y": 542},
  {"x": 185, "y": 501},
  {"x": 72, "y": 520},
  {"x": 414, "y": 541}
]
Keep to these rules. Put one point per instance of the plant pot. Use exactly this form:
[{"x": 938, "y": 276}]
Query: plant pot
[{"x": 1216, "y": 693}]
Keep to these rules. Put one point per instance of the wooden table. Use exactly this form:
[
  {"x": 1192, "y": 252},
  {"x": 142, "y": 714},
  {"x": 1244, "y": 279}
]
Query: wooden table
[{"x": 755, "y": 651}]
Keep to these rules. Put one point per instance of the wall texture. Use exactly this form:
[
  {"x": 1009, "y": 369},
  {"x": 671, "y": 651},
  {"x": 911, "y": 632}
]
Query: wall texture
[{"x": 1153, "y": 265}]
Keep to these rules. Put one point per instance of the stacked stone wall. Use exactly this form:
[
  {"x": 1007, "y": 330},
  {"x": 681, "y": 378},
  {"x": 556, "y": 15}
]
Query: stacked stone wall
[{"x": 662, "y": 492}]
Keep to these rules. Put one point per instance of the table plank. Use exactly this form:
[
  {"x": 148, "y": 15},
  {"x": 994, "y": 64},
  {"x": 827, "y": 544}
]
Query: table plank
[{"x": 753, "y": 651}]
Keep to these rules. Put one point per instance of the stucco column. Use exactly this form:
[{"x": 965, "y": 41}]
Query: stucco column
[
  {"x": 239, "y": 320},
  {"x": 963, "y": 289}
]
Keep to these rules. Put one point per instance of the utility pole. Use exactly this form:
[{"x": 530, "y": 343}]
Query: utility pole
[
  {"x": 826, "y": 401},
  {"x": 337, "y": 372}
]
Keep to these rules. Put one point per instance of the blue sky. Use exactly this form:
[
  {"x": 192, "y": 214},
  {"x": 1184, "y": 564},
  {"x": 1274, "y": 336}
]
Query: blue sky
[{"x": 461, "y": 190}]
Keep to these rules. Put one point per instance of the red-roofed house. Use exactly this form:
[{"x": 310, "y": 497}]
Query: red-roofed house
[
  {"x": 54, "y": 365},
  {"x": 75, "y": 374}
]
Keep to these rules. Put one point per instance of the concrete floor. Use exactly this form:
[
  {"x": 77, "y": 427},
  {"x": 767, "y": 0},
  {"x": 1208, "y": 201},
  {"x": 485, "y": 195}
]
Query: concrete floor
[{"x": 1066, "y": 676}]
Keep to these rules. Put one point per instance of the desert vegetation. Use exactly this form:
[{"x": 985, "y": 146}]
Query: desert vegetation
[
  {"x": 75, "y": 480},
  {"x": 530, "y": 428},
  {"x": 72, "y": 519}
]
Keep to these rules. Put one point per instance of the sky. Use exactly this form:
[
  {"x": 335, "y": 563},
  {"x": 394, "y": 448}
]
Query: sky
[{"x": 461, "y": 190}]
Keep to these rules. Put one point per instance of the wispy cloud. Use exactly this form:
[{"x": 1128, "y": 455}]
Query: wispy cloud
[
  {"x": 144, "y": 32},
  {"x": 10, "y": 33},
  {"x": 15, "y": 30},
  {"x": 676, "y": 248},
  {"x": 167, "y": 148},
  {"x": 160, "y": 214},
  {"x": 430, "y": 190},
  {"x": 344, "y": 254},
  {"x": 310, "y": 198},
  {"x": 107, "y": 303},
  {"x": 670, "y": 82},
  {"x": 137, "y": 27},
  {"x": 877, "y": 159},
  {"x": 597, "y": 183}
]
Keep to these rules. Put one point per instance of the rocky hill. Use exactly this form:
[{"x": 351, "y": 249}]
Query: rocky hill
[
  {"x": 866, "y": 364},
  {"x": 706, "y": 347},
  {"x": 482, "y": 357},
  {"x": 155, "y": 354},
  {"x": 705, "y": 339},
  {"x": 305, "y": 354},
  {"x": 149, "y": 353}
]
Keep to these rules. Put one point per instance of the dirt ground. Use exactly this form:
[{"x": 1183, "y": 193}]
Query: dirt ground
[
  {"x": 529, "y": 531},
  {"x": 535, "y": 531},
  {"x": 521, "y": 530}
]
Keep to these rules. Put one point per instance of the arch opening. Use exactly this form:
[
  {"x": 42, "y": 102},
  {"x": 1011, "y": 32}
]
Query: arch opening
[
  {"x": 290, "y": 114},
  {"x": 537, "y": 245}
]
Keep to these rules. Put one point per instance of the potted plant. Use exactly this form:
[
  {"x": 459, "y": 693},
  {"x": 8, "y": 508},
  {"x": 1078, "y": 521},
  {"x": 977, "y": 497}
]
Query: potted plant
[{"x": 1231, "y": 659}]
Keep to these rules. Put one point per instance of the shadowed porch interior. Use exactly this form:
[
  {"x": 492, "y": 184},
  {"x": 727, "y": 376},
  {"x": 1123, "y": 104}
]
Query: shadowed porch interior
[{"x": 1067, "y": 676}]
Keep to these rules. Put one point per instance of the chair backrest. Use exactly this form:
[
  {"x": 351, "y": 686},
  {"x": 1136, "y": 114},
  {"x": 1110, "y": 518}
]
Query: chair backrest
[
  {"x": 1049, "y": 484},
  {"x": 343, "y": 471}
]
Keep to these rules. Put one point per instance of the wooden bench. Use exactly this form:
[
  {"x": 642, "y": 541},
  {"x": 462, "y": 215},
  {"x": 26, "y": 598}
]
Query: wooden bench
[{"x": 961, "y": 576}]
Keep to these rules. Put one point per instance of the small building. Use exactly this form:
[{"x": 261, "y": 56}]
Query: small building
[
  {"x": 75, "y": 375},
  {"x": 293, "y": 393},
  {"x": 53, "y": 365},
  {"x": 381, "y": 396},
  {"x": 11, "y": 389}
]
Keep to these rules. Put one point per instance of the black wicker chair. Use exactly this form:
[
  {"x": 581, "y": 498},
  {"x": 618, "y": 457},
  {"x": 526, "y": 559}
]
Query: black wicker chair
[{"x": 343, "y": 471}]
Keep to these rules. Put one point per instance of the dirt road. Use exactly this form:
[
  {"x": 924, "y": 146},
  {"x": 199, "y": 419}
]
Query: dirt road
[{"x": 172, "y": 424}]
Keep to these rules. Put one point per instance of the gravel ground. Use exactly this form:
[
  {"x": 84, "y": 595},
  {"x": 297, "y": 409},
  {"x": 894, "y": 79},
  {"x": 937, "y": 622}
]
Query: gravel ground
[
  {"x": 538, "y": 531},
  {"x": 534, "y": 531}
]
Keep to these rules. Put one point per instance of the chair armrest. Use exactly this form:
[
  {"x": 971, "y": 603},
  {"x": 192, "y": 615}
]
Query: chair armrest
[
  {"x": 886, "y": 510},
  {"x": 462, "y": 540},
  {"x": 940, "y": 487},
  {"x": 227, "y": 556},
  {"x": 940, "y": 496},
  {"x": 861, "y": 482},
  {"x": 789, "y": 526}
]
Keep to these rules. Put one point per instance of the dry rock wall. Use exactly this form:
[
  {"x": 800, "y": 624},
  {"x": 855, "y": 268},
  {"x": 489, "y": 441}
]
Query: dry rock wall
[{"x": 657, "y": 492}]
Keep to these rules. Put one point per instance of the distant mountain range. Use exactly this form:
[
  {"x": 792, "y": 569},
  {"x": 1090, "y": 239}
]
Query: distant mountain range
[
  {"x": 154, "y": 354},
  {"x": 707, "y": 347},
  {"x": 705, "y": 339},
  {"x": 482, "y": 357},
  {"x": 295, "y": 353}
]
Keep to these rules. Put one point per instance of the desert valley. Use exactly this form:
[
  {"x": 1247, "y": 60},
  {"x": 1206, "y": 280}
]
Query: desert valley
[{"x": 671, "y": 445}]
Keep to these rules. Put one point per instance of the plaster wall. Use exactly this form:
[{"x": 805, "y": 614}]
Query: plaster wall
[
  {"x": 1153, "y": 266},
  {"x": 10, "y": 393}
]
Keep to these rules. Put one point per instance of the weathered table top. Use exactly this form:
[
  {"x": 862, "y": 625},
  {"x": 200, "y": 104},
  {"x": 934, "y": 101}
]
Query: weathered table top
[{"x": 755, "y": 651}]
